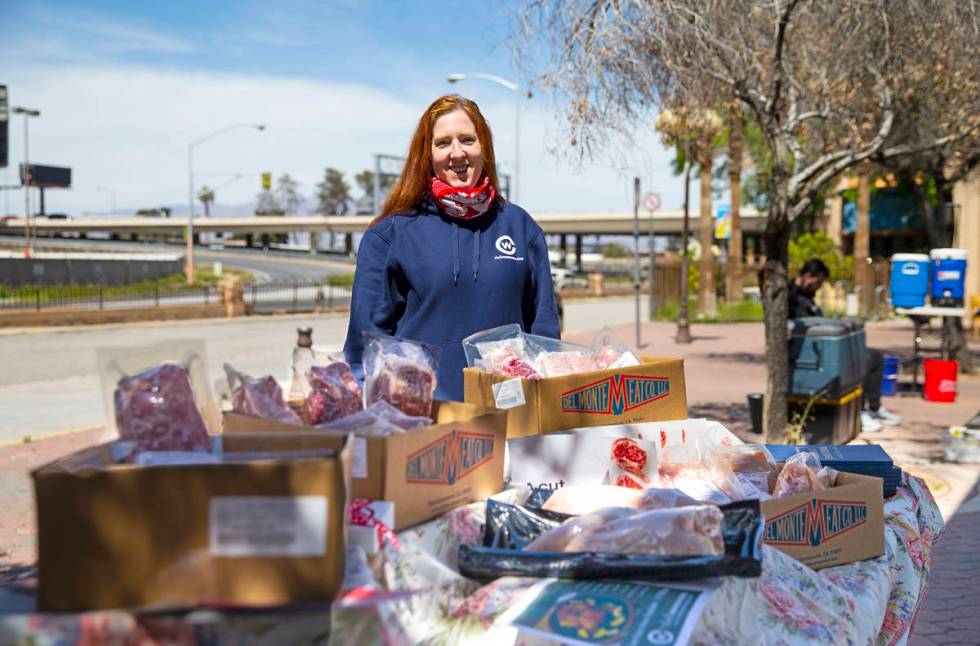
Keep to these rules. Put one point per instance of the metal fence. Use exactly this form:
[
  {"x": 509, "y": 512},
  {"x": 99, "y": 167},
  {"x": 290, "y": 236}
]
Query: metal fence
[
  {"x": 104, "y": 297},
  {"x": 264, "y": 298},
  {"x": 259, "y": 298}
]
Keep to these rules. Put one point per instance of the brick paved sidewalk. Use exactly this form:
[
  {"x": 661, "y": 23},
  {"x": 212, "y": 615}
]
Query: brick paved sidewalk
[{"x": 949, "y": 615}]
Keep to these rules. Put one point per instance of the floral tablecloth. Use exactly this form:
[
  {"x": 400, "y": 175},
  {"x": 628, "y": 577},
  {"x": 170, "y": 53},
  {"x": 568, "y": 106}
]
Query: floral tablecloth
[{"x": 412, "y": 594}]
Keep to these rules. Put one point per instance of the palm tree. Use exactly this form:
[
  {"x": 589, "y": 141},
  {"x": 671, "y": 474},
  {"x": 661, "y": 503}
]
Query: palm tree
[{"x": 206, "y": 196}]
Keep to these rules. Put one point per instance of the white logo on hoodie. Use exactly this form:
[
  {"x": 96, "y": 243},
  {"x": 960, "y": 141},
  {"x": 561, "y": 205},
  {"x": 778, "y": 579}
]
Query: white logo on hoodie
[{"x": 506, "y": 246}]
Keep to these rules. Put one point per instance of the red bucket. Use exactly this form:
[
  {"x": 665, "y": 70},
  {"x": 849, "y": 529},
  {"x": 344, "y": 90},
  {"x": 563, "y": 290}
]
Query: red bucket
[{"x": 940, "y": 385}]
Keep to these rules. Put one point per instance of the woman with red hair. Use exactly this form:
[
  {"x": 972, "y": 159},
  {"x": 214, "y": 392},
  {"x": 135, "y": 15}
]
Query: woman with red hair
[{"x": 448, "y": 256}]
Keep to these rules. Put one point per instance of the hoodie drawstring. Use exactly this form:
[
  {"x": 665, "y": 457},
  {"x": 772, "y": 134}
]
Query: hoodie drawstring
[
  {"x": 476, "y": 255},
  {"x": 455, "y": 253}
]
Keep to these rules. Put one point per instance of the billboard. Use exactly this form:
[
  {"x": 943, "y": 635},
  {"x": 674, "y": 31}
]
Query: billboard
[
  {"x": 46, "y": 176},
  {"x": 723, "y": 222}
]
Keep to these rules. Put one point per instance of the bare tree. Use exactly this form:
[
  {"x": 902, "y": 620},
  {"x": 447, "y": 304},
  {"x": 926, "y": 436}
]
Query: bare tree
[
  {"x": 287, "y": 194},
  {"x": 827, "y": 83}
]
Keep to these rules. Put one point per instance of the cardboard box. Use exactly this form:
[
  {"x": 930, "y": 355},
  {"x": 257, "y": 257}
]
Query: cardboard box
[
  {"x": 652, "y": 391},
  {"x": 425, "y": 472},
  {"x": 121, "y": 536},
  {"x": 830, "y": 527}
]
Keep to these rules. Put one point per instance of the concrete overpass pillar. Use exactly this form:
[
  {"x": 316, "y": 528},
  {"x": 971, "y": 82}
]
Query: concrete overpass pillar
[
  {"x": 314, "y": 242},
  {"x": 562, "y": 250},
  {"x": 578, "y": 252}
]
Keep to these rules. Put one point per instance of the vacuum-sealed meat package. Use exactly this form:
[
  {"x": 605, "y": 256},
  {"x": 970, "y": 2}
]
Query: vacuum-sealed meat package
[
  {"x": 500, "y": 350},
  {"x": 158, "y": 397},
  {"x": 260, "y": 397},
  {"x": 752, "y": 465},
  {"x": 380, "y": 419},
  {"x": 400, "y": 372},
  {"x": 333, "y": 393},
  {"x": 802, "y": 473},
  {"x": 617, "y": 543},
  {"x": 583, "y": 499},
  {"x": 684, "y": 531},
  {"x": 610, "y": 351}
]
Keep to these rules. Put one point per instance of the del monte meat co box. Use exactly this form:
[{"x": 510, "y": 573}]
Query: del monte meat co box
[
  {"x": 652, "y": 391},
  {"x": 425, "y": 471}
]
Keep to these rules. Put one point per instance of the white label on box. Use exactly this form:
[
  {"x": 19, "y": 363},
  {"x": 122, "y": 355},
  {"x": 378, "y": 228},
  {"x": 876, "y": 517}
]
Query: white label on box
[
  {"x": 625, "y": 360},
  {"x": 268, "y": 526},
  {"x": 169, "y": 458},
  {"x": 509, "y": 394},
  {"x": 358, "y": 459}
]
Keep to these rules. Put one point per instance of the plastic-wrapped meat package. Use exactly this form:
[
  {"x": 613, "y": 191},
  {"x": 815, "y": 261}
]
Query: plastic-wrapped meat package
[
  {"x": 333, "y": 393},
  {"x": 362, "y": 423},
  {"x": 260, "y": 397},
  {"x": 156, "y": 409},
  {"x": 577, "y": 500},
  {"x": 684, "y": 531},
  {"x": 385, "y": 411},
  {"x": 507, "y": 358},
  {"x": 611, "y": 352},
  {"x": 634, "y": 463},
  {"x": 752, "y": 465},
  {"x": 654, "y": 498},
  {"x": 557, "y": 364},
  {"x": 802, "y": 473},
  {"x": 694, "y": 479},
  {"x": 400, "y": 372}
]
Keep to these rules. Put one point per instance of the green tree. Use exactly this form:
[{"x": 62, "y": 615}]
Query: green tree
[
  {"x": 333, "y": 193},
  {"x": 614, "y": 250},
  {"x": 206, "y": 196},
  {"x": 819, "y": 245},
  {"x": 287, "y": 194},
  {"x": 266, "y": 204}
]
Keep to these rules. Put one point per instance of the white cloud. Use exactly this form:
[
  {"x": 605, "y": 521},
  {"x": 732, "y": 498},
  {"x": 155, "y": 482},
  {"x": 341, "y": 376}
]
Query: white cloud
[{"x": 128, "y": 129}]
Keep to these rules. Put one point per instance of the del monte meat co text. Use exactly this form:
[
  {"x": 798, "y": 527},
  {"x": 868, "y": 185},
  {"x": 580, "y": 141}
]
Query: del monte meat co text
[
  {"x": 815, "y": 522},
  {"x": 449, "y": 458},
  {"x": 615, "y": 395}
]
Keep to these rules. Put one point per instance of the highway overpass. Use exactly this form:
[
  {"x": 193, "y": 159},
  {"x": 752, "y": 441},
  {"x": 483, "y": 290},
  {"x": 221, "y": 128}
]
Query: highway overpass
[{"x": 601, "y": 223}]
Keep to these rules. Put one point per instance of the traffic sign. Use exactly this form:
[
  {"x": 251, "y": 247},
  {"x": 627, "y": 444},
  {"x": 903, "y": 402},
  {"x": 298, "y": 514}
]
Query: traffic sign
[{"x": 651, "y": 201}]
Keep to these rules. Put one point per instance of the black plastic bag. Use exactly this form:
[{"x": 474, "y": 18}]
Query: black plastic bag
[{"x": 509, "y": 528}]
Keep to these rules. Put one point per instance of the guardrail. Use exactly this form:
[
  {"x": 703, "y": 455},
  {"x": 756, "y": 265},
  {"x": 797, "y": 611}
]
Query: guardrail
[{"x": 303, "y": 296}]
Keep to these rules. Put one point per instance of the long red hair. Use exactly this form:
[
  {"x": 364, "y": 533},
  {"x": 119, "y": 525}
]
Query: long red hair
[{"x": 415, "y": 181}]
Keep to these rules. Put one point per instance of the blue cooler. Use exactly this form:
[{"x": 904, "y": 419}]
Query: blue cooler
[
  {"x": 909, "y": 279},
  {"x": 948, "y": 277}
]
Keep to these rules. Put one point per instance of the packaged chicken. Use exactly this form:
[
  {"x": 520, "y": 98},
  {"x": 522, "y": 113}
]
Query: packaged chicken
[
  {"x": 801, "y": 473},
  {"x": 333, "y": 393},
  {"x": 683, "y": 531},
  {"x": 260, "y": 397},
  {"x": 400, "y": 372}
]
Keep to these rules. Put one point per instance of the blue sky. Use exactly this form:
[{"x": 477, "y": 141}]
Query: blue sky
[{"x": 123, "y": 86}]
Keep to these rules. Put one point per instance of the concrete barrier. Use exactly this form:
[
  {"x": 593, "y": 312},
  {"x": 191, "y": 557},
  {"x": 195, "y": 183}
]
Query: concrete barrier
[
  {"x": 93, "y": 317},
  {"x": 57, "y": 268}
]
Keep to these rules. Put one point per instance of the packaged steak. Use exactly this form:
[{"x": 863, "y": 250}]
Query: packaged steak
[
  {"x": 157, "y": 397},
  {"x": 556, "y": 358},
  {"x": 501, "y": 351},
  {"x": 400, "y": 372},
  {"x": 333, "y": 393},
  {"x": 707, "y": 478},
  {"x": 802, "y": 473},
  {"x": 260, "y": 397},
  {"x": 683, "y": 531}
]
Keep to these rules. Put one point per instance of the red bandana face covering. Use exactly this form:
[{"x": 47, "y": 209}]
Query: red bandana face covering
[{"x": 463, "y": 203}]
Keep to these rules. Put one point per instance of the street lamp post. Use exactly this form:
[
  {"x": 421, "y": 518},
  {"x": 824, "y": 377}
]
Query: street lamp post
[
  {"x": 112, "y": 198},
  {"x": 683, "y": 324},
  {"x": 28, "y": 241},
  {"x": 190, "y": 189},
  {"x": 513, "y": 87}
]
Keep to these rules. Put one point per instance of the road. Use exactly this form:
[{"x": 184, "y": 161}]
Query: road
[
  {"x": 266, "y": 266},
  {"x": 49, "y": 383}
]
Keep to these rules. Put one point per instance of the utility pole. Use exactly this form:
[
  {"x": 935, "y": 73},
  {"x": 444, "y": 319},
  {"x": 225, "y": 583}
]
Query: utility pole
[{"x": 683, "y": 325}]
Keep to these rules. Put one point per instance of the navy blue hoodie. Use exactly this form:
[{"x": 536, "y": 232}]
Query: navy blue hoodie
[{"x": 429, "y": 277}]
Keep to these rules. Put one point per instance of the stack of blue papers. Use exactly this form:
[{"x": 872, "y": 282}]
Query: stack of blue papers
[{"x": 863, "y": 459}]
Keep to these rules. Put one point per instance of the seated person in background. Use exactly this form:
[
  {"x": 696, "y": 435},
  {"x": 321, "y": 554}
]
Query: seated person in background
[{"x": 801, "y": 291}]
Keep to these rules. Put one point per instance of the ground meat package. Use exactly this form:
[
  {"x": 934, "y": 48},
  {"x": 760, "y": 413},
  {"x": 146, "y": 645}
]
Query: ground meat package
[
  {"x": 158, "y": 396},
  {"x": 400, "y": 372},
  {"x": 260, "y": 397},
  {"x": 333, "y": 393},
  {"x": 511, "y": 529}
]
